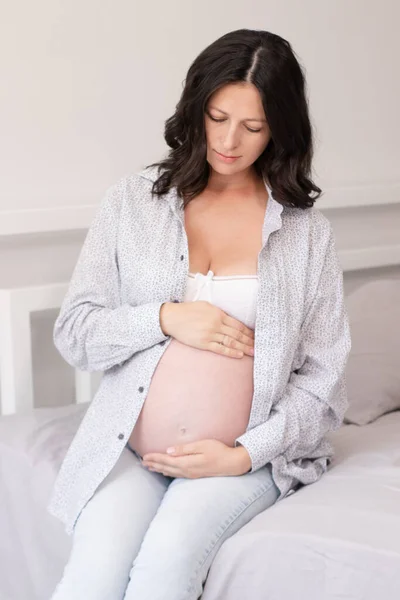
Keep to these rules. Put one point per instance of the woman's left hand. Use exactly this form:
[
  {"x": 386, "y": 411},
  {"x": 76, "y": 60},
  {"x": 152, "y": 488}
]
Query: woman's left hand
[{"x": 205, "y": 458}]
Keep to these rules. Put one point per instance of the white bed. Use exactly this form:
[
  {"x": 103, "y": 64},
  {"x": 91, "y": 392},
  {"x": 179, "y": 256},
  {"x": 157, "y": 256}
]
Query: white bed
[{"x": 337, "y": 538}]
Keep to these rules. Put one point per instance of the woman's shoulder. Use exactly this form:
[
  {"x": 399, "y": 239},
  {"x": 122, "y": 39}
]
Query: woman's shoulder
[
  {"x": 320, "y": 224},
  {"x": 139, "y": 186},
  {"x": 135, "y": 183},
  {"x": 131, "y": 190},
  {"x": 141, "y": 181},
  {"x": 311, "y": 224}
]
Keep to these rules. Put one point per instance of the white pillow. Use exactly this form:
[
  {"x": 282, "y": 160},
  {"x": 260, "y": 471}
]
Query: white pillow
[{"x": 373, "y": 367}]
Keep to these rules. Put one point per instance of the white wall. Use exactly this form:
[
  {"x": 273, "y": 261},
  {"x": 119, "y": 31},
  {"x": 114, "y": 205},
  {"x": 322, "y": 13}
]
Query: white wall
[{"x": 87, "y": 86}]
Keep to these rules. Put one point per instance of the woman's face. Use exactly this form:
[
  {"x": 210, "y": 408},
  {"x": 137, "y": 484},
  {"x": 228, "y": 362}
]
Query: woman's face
[{"x": 235, "y": 126}]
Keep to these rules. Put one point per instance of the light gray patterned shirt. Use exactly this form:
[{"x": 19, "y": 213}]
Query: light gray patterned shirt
[{"x": 134, "y": 258}]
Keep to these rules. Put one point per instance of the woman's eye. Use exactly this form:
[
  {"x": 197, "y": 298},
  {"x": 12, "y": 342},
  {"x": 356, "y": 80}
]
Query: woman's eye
[{"x": 221, "y": 120}]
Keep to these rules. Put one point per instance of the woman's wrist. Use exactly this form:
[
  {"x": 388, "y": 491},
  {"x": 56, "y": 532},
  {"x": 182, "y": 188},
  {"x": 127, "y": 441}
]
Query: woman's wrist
[
  {"x": 243, "y": 458},
  {"x": 165, "y": 317}
]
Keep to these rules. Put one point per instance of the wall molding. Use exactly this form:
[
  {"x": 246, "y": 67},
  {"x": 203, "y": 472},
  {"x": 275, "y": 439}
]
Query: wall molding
[
  {"x": 357, "y": 196},
  {"x": 69, "y": 218},
  {"x": 45, "y": 220},
  {"x": 369, "y": 257}
]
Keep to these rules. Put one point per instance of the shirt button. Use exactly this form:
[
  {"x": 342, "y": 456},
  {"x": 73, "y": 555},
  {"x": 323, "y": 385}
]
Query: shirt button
[
  {"x": 176, "y": 300},
  {"x": 121, "y": 436},
  {"x": 141, "y": 389},
  {"x": 182, "y": 257},
  {"x": 162, "y": 343}
]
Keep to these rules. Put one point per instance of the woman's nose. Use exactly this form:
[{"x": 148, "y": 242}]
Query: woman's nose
[{"x": 231, "y": 140}]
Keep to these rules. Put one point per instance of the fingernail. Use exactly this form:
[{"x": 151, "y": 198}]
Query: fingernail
[{"x": 170, "y": 450}]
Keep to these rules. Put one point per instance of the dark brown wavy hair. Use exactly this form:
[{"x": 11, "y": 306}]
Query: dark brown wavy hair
[{"x": 268, "y": 61}]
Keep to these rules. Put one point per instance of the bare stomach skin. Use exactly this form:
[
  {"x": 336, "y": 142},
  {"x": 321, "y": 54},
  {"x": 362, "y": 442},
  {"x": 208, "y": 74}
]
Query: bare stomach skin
[{"x": 194, "y": 395}]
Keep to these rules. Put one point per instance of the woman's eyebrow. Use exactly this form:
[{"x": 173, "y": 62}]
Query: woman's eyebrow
[{"x": 216, "y": 108}]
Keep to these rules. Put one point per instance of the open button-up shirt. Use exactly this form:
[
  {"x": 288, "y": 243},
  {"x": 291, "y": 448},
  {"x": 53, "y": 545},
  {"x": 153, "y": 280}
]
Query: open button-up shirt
[{"x": 135, "y": 258}]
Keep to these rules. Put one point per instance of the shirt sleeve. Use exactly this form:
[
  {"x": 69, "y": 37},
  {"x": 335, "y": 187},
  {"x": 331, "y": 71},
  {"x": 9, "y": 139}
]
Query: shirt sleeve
[
  {"x": 315, "y": 398},
  {"x": 94, "y": 331}
]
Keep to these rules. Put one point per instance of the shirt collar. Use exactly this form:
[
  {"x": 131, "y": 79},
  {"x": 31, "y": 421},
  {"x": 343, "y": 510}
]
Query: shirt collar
[{"x": 273, "y": 216}]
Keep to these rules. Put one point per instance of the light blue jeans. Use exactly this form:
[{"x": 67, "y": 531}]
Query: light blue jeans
[{"x": 145, "y": 536}]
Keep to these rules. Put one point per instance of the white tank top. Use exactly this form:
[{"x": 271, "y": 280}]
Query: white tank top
[{"x": 234, "y": 294}]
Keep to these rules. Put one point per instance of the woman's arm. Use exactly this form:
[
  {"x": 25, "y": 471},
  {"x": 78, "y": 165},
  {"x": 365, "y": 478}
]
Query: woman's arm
[
  {"x": 315, "y": 398},
  {"x": 93, "y": 330}
]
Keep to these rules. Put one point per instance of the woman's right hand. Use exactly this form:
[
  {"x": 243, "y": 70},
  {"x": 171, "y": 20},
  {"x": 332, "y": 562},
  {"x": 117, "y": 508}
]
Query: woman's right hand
[{"x": 202, "y": 325}]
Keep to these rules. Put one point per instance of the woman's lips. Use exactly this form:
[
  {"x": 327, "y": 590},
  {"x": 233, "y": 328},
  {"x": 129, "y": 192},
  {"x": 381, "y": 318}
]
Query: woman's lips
[{"x": 226, "y": 159}]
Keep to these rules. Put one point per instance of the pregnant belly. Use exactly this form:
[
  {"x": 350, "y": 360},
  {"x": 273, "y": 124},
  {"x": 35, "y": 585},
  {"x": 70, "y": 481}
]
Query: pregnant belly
[{"x": 194, "y": 395}]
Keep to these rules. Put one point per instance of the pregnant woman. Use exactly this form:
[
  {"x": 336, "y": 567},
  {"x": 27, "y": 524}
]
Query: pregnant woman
[{"x": 209, "y": 292}]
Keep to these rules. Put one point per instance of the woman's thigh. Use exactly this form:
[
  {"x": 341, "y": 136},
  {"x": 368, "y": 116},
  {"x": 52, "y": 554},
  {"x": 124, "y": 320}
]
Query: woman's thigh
[
  {"x": 195, "y": 517},
  {"x": 109, "y": 531}
]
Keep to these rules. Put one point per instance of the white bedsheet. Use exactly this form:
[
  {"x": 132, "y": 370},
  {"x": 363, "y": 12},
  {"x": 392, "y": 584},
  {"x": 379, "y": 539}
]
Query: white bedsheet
[{"x": 336, "y": 539}]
